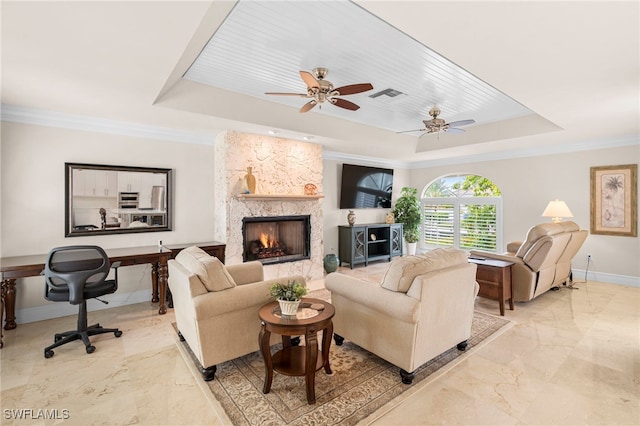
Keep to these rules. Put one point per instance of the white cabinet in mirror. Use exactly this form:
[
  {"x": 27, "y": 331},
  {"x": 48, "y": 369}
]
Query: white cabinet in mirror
[{"x": 117, "y": 199}]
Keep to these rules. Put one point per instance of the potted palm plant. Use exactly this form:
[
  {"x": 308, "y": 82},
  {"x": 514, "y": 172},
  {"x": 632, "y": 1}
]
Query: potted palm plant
[
  {"x": 407, "y": 212},
  {"x": 288, "y": 296}
]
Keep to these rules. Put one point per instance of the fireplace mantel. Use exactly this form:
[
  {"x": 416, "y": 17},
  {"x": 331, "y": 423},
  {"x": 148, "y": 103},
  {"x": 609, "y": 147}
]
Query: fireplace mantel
[{"x": 276, "y": 197}]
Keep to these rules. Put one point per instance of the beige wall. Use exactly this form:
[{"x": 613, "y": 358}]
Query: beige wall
[
  {"x": 32, "y": 194},
  {"x": 528, "y": 184},
  {"x": 32, "y": 200}
]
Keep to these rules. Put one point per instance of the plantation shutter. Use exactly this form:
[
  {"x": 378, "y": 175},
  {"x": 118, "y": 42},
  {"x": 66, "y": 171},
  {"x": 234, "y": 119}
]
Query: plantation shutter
[
  {"x": 439, "y": 224},
  {"x": 478, "y": 226},
  {"x": 462, "y": 222}
]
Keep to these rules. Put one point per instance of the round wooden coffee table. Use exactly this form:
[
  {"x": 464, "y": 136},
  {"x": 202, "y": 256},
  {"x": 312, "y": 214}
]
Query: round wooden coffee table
[{"x": 313, "y": 316}]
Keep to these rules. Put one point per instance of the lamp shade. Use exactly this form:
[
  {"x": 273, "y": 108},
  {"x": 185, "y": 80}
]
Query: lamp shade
[{"x": 557, "y": 210}]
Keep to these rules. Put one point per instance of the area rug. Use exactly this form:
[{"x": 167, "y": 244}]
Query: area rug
[{"x": 361, "y": 383}]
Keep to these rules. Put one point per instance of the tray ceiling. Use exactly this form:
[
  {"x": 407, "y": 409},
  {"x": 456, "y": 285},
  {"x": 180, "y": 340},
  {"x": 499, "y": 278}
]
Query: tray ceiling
[{"x": 261, "y": 46}]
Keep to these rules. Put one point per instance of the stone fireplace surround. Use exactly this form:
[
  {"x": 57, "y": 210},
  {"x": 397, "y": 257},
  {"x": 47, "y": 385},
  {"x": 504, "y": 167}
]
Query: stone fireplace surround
[{"x": 281, "y": 167}]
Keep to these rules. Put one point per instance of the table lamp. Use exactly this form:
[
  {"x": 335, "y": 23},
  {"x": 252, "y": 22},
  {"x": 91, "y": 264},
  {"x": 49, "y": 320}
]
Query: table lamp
[{"x": 557, "y": 210}]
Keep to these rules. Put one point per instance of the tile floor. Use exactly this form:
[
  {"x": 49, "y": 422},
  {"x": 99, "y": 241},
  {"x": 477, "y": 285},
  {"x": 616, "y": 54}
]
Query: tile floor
[{"x": 571, "y": 358}]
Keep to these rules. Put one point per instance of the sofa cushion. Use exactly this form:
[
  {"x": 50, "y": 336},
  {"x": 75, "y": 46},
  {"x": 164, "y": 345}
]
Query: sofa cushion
[
  {"x": 403, "y": 270},
  {"x": 209, "y": 269}
]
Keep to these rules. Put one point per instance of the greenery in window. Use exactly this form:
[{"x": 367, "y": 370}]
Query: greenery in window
[
  {"x": 479, "y": 186},
  {"x": 478, "y": 222},
  {"x": 456, "y": 215}
]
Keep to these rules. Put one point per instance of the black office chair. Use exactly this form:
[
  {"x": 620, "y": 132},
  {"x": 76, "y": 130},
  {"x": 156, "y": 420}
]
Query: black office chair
[{"x": 75, "y": 274}]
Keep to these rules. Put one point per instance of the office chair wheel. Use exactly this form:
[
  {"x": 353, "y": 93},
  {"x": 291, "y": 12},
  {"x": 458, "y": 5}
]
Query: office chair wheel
[
  {"x": 48, "y": 354},
  {"x": 117, "y": 333},
  {"x": 91, "y": 349}
]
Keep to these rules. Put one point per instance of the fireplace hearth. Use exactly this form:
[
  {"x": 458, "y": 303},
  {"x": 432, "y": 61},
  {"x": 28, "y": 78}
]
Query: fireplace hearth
[{"x": 276, "y": 239}]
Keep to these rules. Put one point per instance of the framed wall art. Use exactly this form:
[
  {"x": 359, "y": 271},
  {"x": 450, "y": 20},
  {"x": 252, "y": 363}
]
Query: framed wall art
[{"x": 614, "y": 200}]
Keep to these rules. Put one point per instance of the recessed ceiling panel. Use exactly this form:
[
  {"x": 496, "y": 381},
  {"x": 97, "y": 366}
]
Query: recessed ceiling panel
[{"x": 261, "y": 47}]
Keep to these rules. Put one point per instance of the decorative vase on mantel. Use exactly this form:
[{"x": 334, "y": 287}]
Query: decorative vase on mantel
[
  {"x": 351, "y": 218},
  {"x": 249, "y": 182},
  {"x": 289, "y": 307}
]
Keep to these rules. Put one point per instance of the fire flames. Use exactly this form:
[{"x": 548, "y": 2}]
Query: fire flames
[
  {"x": 269, "y": 247},
  {"x": 268, "y": 241}
]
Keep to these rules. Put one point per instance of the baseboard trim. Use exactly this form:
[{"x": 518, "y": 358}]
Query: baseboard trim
[
  {"x": 57, "y": 309},
  {"x": 626, "y": 280}
]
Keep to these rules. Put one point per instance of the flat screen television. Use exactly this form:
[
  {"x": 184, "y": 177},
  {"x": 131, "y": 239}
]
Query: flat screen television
[{"x": 365, "y": 187}]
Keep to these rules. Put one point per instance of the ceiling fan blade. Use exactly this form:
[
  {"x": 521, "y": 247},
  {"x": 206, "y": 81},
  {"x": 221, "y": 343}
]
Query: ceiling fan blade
[
  {"x": 342, "y": 103},
  {"x": 461, "y": 123},
  {"x": 454, "y": 130},
  {"x": 352, "y": 89},
  {"x": 309, "y": 79},
  {"x": 409, "y": 131},
  {"x": 308, "y": 106},
  {"x": 302, "y": 95}
]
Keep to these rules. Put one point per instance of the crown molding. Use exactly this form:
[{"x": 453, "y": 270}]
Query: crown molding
[
  {"x": 28, "y": 115},
  {"x": 365, "y": 160},
  {"x": 617, "y": 142},
  {"x": 627, "y": 140},
  {"x": 38, "y": 117}
]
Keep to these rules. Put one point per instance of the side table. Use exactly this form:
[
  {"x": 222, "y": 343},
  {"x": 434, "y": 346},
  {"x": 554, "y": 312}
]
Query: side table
[
  {"x": 494, "y": 278},
  {"x": 313, "y": 315}
]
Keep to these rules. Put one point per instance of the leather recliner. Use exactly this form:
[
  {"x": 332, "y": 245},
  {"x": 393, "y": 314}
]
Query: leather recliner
[{"x": 543, "y": 260}]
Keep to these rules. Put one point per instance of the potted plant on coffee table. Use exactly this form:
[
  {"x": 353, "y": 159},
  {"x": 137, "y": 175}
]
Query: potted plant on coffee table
[
  {"x": 288, "y": 296},
  {"x": 407, "y": 212}
]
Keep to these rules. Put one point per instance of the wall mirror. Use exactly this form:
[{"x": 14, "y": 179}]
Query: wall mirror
[{"x": 103, "y": 199}]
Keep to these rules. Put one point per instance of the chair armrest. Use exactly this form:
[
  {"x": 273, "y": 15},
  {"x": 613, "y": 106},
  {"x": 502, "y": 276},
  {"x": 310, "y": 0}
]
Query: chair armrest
[
  {"x": 245, "y": 273},
  {"x": 237, "y": 298},
  {"x": 115, "y": 266},
  {"x": 234, "y": 299},
  {"x": 393, "y": 304},
  {"x": 513, "y": 246},
  {"x": 496, "y": 256}
]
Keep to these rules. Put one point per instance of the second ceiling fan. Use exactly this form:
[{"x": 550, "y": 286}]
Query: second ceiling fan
[
  {"x": 436, "y": 125},
  {"x": 321, "y": 90}
]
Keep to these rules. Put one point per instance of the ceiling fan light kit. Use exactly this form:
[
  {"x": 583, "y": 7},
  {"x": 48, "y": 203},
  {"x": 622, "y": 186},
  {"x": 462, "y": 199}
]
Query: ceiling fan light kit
[{"x": 321, "y": 90}]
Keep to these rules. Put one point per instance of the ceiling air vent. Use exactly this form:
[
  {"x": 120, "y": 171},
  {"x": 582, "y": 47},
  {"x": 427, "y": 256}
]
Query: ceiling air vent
[
  {"x": 388, "y": 96},
  {"x": 392, "y": 93}
]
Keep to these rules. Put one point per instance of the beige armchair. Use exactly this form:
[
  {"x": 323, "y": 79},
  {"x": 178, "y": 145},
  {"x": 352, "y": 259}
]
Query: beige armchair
[
  {"x": 216, "y": 307},
  {"x": 543, "y": 260},
  {"x": 423, "y": 308}
]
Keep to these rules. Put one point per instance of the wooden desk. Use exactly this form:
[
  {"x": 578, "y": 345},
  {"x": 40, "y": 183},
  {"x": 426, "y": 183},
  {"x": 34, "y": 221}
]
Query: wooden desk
[
  {"x": 13, "y": 268},
  {"x": 494, "y": 278}
]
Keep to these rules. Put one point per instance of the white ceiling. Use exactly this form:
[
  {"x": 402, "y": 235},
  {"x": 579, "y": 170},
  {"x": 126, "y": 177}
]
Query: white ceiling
[
  {"x": 574, "y": 64},
  {"x": 254, "y": 51}
]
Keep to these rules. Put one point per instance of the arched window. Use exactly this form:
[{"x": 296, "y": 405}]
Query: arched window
[{"x": 462, "y": 211}]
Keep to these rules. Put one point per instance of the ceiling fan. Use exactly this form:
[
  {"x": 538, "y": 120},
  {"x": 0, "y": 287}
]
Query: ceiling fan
[
  {"x": 436, "y": 124},
  {"x": 320, "y": 90}
]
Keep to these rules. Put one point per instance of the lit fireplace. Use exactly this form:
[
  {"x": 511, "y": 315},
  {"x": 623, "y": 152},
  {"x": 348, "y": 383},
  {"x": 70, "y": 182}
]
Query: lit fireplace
[{"x": 276, "y": 239}]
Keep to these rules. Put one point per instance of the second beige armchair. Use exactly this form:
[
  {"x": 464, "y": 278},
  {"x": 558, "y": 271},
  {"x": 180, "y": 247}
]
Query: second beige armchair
[{"x": 423, "y": 308}]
